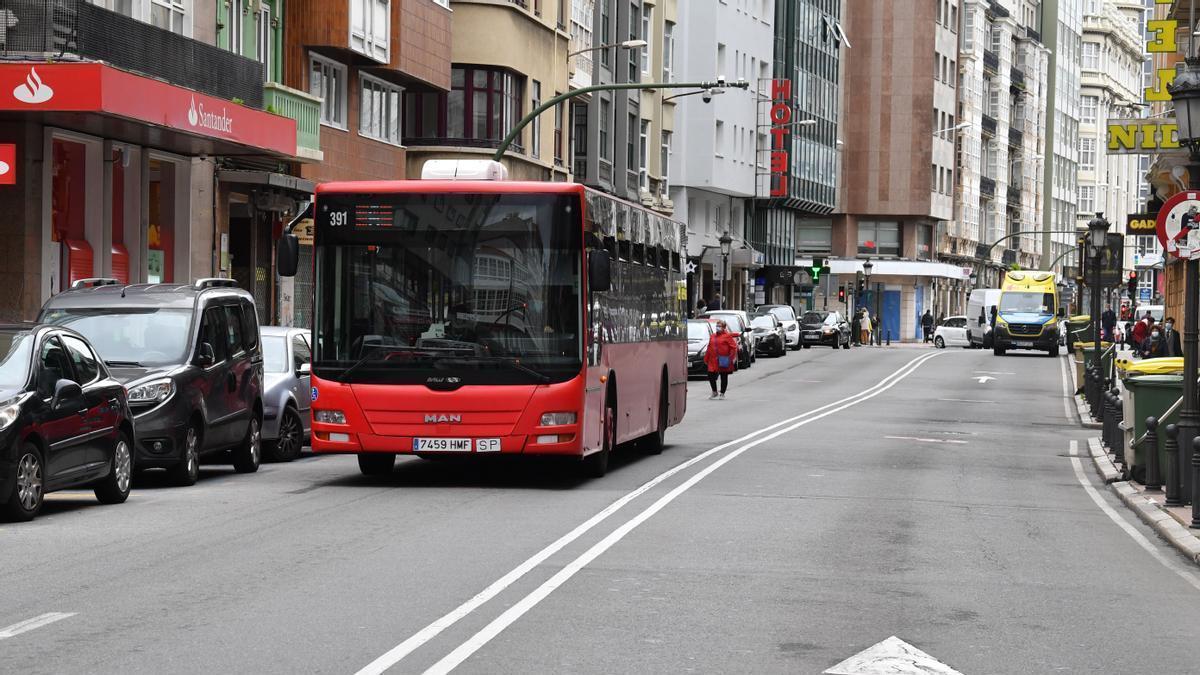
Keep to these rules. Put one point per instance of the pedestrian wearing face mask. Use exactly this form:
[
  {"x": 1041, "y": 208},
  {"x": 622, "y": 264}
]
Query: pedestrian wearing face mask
[
  {"x": 721, "y": 358},
  {"x": 1171, "y": 338},
  {"x": 1153, "y": 346}
]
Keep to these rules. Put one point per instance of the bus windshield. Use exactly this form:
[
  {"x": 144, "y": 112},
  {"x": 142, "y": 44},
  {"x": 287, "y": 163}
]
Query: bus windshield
[
  {"x": 1027, "y": 302},
  {"x": 463, "y": 288}
]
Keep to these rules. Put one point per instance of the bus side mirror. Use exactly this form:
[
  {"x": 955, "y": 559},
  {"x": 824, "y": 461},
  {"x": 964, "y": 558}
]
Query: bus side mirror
[
  {"x": 599, "y": 271},
  {"x": 287, "y": 255}
]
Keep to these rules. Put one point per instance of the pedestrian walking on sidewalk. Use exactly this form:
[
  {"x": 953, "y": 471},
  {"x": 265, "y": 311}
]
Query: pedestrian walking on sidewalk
[
  {"x": 1154, "y": 346},
  {"x": 865, "y": 327},
  {"x": 715, "y": 303},
  {"x": 721, "y": 359},
  {"x": 1171, "y": 338},
  {"x": 700, "y": 308},
  {"x": 927, "y": 325},
  {"x": 1108, "y": 323},
  {"x": 856, "y": 328}
]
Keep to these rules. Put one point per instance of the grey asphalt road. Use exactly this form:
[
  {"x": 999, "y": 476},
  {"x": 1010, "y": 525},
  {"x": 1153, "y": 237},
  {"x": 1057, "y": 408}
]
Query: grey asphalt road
[{"x": 939, "y": 509}]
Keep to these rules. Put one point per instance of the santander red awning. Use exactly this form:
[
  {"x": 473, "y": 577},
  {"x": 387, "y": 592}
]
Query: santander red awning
[{"x": 108, "y": 91}]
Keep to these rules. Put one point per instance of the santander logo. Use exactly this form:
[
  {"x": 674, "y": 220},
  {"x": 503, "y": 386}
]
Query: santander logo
[
  {"x": 4, "y": 168},
  {"x": 33, "y": 90},
  {"x": 198, "y": 117}
]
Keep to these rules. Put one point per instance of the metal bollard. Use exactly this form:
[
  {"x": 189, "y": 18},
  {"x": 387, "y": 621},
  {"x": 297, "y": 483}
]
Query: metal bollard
[
  {"x": 1174, "y": 486},
  {"x": 1150, "y": 449},
  {"x": 889, "y": 337},
  {"x": 1118, "y": 433},
  {"x": 1196, "y": 483},
  {"x": 1108, "y": 422}
]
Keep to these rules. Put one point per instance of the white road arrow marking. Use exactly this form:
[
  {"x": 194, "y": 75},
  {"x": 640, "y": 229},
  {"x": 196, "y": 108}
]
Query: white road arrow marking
[
  {"x": 893, "y": 655},
  {"x": 926, "y": 440},
  {"x": 983, "y": 378},
  {"x": 30, "y": 624}
]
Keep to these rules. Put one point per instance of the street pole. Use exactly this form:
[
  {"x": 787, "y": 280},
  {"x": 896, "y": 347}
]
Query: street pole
[
  {"x": 1050, "y": 35},
  {"x": 1098, "y": 239},
  {"x": 515, "y": 132}
]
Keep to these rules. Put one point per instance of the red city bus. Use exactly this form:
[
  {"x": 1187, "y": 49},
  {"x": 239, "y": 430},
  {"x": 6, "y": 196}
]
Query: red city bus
[{"x": 473, "y": 317}]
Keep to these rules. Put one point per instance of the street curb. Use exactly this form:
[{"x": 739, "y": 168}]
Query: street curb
[
  {"x": 1146, "y": 509},
  {"x": 1085, "y": 417}
]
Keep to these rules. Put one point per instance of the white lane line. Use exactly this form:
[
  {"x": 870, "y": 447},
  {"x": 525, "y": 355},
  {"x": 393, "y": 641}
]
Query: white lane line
[
  {"x": 400, "y": 651},
  {"x": 477, "y": 641},
  {"x": 1128, "y": 528},
  {"x": 965, "y": 400},
  {"x": 36, "y": 622},
  {"x": 926, "y": 440}
]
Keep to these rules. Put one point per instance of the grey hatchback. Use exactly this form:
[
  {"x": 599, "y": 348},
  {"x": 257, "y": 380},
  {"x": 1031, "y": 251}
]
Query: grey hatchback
[{"x": 287, "y": 397}]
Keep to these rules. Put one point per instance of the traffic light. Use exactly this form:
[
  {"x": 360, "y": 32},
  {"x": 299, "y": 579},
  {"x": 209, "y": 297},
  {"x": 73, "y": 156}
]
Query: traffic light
[
  {"x": 1132, "y": 285},
  {"x": 841, "y": 293},
  {"x": 818, "y": 266},
  {"x": 859, "y": 286}
]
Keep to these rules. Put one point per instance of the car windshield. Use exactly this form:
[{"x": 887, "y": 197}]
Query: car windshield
[
  {"x": 783, "y": 313},
  {"x": 15, "y": 349},
  {"x": 763, "y": 322},
  {"x": 697, "y": 330},
  {"x": 814, "y": 317},
  {"x": 1027, "y": 302},
  {"x": 275, "y": 358},
  {"x": 134, "y": 337},
  {"x": 435, "y": 285}
]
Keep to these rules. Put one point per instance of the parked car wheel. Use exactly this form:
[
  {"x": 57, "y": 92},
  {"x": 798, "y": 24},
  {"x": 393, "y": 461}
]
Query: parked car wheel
[
  {"x": 29, "y": 490},
  {"x": 114, "y": 488},
  {"x": 187, "y": 472},
  {"x": 248, "y": 456},
  {"x": 939, "y": 342},
  {"x": 846, "y": 344},
  {"x": 291, "y": 437}
]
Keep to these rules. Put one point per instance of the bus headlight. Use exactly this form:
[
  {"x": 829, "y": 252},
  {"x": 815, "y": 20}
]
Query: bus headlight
[
  {"x": 558, "y": 419},
  {"x": 329, "y": 416}
]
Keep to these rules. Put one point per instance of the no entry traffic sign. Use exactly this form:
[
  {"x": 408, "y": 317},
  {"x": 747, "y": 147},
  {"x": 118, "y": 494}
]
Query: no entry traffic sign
[{"x": 1179, "y": 225}]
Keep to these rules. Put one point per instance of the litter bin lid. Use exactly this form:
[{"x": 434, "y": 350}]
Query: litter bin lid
[
  {"x": 1161, "y": 366},
  {"x": 1164, "y": 381},
  {"x": 1080, "y": 318}
]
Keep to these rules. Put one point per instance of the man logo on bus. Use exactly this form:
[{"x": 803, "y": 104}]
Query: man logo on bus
[{"x": 443, "y": 419}]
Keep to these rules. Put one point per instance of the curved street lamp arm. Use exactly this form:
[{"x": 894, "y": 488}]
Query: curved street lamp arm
[{"x": 1017, "y": 234}]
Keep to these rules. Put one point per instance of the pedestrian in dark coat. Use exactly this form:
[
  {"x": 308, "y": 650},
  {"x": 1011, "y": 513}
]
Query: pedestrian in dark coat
[
  {"x": 1171, "y": 338},
  {"x": 721, "y": 358},
  {"x": 927, "y": 325},
  {"x": 855, "y": 327}
]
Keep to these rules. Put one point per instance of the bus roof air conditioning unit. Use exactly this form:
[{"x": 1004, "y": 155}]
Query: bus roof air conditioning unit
[{"x": 463, "y": 169}]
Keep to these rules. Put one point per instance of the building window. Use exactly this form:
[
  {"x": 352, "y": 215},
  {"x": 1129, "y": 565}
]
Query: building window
[
  {"x": 170, "y": 15},
  {"x": 558, "y": 133},
  {"x": 635, "y": 28},
  {"x": 1087, "y": 154},
  {"x": 327, "y": 79},
  {"x": 379, "y": 110},
  {"x": 879, "y": 238},
  {"x": 266, "y": 42},
  {"x": 814, "y": 235},
  {"x": 535, "y": 127},
  {"x": 665, "y": 163},
  {"x": 924, "y": 242},
  {"x": 482, "y": 106},
  {"x": 631, "y": 144},
  {"x": 1087, "y": 109},
  {"x": 1087, "y": 199},
  {"x": 644, "y": 157},
  {"x": 647, "y": 13},
  {"x": 668, "y": 51},
  {"x": 234, "y": 34},
  {"x": 605, "y": 129},
  {"x": 1091, "y": 55},
  {"x": 719, "y": 138},
  {"x": 579, "y": 139},
  {"x": 370, "y": 28},
  {"x": 605, "y": 34}
]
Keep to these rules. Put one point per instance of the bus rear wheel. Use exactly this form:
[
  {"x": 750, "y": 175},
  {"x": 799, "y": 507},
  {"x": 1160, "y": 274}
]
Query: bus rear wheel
[{"x": 654, "y": 443}]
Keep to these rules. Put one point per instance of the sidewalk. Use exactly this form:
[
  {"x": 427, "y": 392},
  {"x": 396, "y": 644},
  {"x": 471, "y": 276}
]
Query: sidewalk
[{"x": 1171, "y": 523}]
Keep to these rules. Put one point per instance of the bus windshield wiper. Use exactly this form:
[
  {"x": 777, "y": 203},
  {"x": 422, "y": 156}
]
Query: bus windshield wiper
[{"x": 511, "y": 362}]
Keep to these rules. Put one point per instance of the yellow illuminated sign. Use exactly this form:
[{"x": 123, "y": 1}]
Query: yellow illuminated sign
[{"x": 1138, "y": 136}]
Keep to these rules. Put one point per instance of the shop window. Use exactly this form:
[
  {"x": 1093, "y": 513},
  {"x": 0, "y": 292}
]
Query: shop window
[
  {"x": 120, "y": 254},
  {"x": 160, "y": 236},
  {"x": 68, "y": 211}
]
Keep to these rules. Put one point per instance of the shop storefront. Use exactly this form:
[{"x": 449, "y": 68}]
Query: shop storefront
[{"x": 114, "y": 176}]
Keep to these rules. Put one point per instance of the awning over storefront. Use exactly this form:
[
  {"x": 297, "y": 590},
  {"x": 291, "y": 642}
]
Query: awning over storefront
[
  {"x": 99, "y": 99},
  {"x": 899, "y": 268}
]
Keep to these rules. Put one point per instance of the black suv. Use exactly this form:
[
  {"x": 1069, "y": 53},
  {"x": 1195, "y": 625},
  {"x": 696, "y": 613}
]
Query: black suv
[
  {"x": 64, "y": 422},
  {"x": 189, "y": 356}
]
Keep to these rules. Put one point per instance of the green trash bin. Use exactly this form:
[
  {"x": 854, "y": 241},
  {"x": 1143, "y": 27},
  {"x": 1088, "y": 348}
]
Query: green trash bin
[
  {"x": 1089, "y": 354},
  {"x": 1152, "y": 396}
]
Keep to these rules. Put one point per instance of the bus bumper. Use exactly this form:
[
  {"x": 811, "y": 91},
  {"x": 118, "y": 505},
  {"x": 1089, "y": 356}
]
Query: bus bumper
[{"x": 551, "y": 442}]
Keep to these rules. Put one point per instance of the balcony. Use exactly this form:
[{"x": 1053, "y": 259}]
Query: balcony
[
  {"x": 1018, "y": 78},
  {"x": 1009, "y": 257},
  {"x": 1016, "y": 138},
  {"x": 302, "y": 107},
  {"x": 1014, "y": 195},
  {"x": 1033, "y": 35},
  {"x": 53, "y": 28},
  {"x": 991, "y": 62},
  {"x": 987, "y": 187},
  {"x": 988, "y": 123}
]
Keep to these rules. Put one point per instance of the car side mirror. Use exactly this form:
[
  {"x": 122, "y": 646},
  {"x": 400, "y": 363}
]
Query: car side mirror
[
  {"x": 304, "y": 370},
  {"x": 65, "y": 391},
  {"x": 287, "y": 255},
  {"x": 599, "y": 269},
  {"x": 205, "y": 356}
]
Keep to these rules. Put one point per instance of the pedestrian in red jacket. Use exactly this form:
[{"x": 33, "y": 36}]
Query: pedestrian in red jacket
[{"x": 721, "y": 358}]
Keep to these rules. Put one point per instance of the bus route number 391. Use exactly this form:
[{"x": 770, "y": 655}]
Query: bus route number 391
[{"x": 456, "y": 444}]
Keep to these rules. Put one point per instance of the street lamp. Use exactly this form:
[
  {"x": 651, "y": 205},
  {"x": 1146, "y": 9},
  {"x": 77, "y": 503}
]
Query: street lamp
[
  {"x": 726, "y": 248},
  {"x": 797, "y": 123},
  {"x": 1096, "y": 240},
  {"x": 628, "y": 44},
  {"x": 867, "y": 267},
  {"x": 1185, "y": 93}
]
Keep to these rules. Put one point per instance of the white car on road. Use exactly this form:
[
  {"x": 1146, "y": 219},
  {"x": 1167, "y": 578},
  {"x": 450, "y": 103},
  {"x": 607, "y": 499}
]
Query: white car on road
[{"x": 952, "y": 332}]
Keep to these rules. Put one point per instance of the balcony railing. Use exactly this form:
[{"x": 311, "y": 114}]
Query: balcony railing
[
  {"x": 991, "y": 62},
  {"x": 987, "y": 187},
  {"x": 1014, "y": 195},
  {"x": 45, "y": 28},
  {"x": 1016, "y": 137},
  {"x": 989, "y": 125},
  {"x": 1018, "y": 77},
  {"x": 1033, "y": 35},
  {"x": 302, "y": 107}
]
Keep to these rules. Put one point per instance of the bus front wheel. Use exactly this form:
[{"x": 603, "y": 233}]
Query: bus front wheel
[{"x": 595, "y": 465}]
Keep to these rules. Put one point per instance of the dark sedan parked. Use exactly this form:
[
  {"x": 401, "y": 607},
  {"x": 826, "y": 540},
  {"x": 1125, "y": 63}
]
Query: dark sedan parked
[
  {"x": 824, "y": 328},
  {"x": 700, "y": 332},
  {"x": 64, "y": 421},
  {"x": 768, "y": 330}
]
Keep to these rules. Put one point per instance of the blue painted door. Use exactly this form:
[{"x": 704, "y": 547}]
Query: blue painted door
[{"x": 891, "y": 314}]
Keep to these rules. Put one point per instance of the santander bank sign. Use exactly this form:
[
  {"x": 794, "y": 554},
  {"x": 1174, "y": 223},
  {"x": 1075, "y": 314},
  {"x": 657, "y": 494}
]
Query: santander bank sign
[{"x": 198, "y": 117}]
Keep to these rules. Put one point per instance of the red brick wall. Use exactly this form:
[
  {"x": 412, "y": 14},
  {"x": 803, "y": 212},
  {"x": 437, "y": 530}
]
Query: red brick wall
[{"x": 421, "y": 41}]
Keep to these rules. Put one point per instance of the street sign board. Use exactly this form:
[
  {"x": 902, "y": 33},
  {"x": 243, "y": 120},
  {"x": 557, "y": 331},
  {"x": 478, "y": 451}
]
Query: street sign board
[
  {"x": 1141, "y": 223},
  {"x": 1179, "y": 225},
  {"x": 1144, "y": 294},
  {"x": 1112, "y": 261}
]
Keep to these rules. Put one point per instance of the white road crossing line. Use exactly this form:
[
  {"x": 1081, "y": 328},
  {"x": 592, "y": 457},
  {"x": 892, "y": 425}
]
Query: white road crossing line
[
  {"x": 965, "y": 400},
  {"x": 400, "y": 651},
  {"x": 477, "y": 641},
  {"x": 36, "y": 622},
  {"x": 926, "y": 440},
  {"x": 1125, "y": 525}
]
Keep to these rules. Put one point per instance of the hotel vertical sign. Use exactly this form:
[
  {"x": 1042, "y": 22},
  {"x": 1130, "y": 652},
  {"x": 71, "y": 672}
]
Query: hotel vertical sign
[
  {"x": 779, "y": 119},
  {"x": 1144, "y": 135}
]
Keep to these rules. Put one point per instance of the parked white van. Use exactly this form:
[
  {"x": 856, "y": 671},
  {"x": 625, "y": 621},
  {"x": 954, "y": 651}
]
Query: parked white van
[{"x": 980, "y": 306}]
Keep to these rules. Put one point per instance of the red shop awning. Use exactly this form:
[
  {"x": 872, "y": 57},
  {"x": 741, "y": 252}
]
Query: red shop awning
[{"x": 107, "y": 91}]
